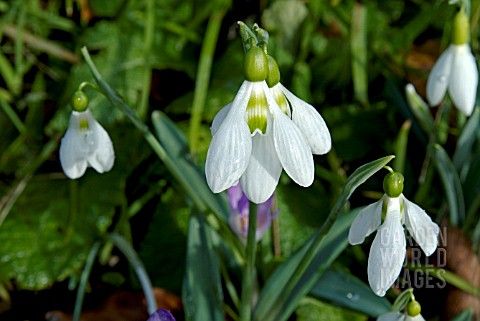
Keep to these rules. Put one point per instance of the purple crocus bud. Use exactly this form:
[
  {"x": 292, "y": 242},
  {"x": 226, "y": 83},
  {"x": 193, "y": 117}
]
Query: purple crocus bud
[
  {"x": 239, "y": 208},
  {"x": 161, "y": 315}
]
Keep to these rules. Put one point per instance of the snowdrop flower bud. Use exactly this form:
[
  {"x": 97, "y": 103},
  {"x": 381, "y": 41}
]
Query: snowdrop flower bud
[
  {"x": 85, "y": 143},
  {"x": 412, "y": 313},
  {"x": 239, "y": 211},
  {"x": 253, "y": 139},
  {"x": 388, "y": 249},
  {"x": 455, "y": 70}
]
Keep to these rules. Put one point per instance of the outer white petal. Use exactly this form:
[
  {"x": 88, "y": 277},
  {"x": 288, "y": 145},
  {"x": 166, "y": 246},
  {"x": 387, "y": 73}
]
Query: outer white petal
[
  {"x": 312, "y": 125},
  {"x": 219, "y": 117},
  {"x": 391, "y": 316},
  {"x": 263, "y": 172},
  {"x": 415, "y": 318},
  {"x": 421, "y": 227},
  {"x": 387, "y": 252},
  {"x": 463, "y": 81},
  {"x": 75, "y": 147},
  {"x": 439, "y": 77},
  {"x": 103, "y": 156},
  {"x": 367, "y": 221},
  {"x": 292, "y": 147},
  {"x": 231, "y": 147}
]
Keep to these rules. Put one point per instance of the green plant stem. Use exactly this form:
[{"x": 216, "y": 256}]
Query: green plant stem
[
  {"x": 147, "y": 73},
  {"x": 203, "y": 75},
  {"x": 12, "y": 115},
  {"x": 83, "y": 281},
  {"x": 115, "y": 99},
  {"x": 137, "y": 265},
  {"x": 304, "y": 264},
  {"x": 249, "y": 268}
]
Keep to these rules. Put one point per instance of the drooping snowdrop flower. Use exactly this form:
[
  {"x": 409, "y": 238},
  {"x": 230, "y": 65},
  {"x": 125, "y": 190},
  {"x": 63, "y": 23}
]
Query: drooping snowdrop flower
[
  {"x": 455, "y": 70},
  {"x": 161, "y": 315},
  {"x": 239, "y": 210},
  {"x": 412, "y": 313},
  {"x": 85, "y": 143},
  {"x": 387, "y": 252},
  {"x": 253, "y": 139},
  {"x": 304, "y": 115}
]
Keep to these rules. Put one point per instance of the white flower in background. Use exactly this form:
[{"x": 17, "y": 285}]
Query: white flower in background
[
  {"x": 85, "y": 144},
  {"x": 387, "y": 252},
  {"x": 455, "y": 70},
  {"x": 253, "y": 139}
]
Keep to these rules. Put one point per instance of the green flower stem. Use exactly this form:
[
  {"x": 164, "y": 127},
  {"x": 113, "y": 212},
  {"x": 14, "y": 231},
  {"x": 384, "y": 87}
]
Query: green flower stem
[
  {"x": 12, "y": 115},
  {"x": 203, "y": 75},
  {"x": 249, "y": 268},
  {"x": 115, "y": 99},
  {"x": 447, "y": 276},
  {"x": 147, "y": 73},
  {"x": 137, "y": 265},
  {"x": 304, "y": 264},
  {"x": 83, "y": 281}
]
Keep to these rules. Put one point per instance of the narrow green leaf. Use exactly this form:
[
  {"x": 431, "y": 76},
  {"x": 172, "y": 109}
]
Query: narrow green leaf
[
  {"x": 465, "y": 315},
  {"x": 466, "y": 141},
  {"x": 401, "y": 147},
  {"x": 344, "y": 289},
  {"x": 451, "y": 184},
  {"x": 202, "y": 289},
  {"x": 358, "y": 46},
  {"x": 419, "y": 108},
  {"x": 402, "y": 300},
  {"x": 277, "y": 301}
]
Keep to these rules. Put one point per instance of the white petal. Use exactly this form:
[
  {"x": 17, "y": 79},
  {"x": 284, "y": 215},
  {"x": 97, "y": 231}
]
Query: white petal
[
  {"x": 420, "y": 226},
  {"x": 103, "y": 156},
  {"x": 438, "y": 79},
  {"x": 415, "y": 318},
  {"x": 391, "y": 316},
  {"x": 311, "y": 124},
  {"x": 231, "y": 147},
  {"x": 76, "y": 146},
  {"x": 387, "y": 253},
  {"x": 367, "y": 221},
  {"x": 463, "y": 79},
  {"x": 292, "y": 148},
  {"x": 219, "y": 117},
  {"x": 263, "y": 172}
]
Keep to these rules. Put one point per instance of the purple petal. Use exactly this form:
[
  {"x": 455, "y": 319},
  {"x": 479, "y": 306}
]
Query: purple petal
[{"x": 161, "y": 315}]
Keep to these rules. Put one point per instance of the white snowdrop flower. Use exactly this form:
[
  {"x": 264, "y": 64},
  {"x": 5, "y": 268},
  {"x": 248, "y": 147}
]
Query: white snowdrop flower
[
  {"x": 304, "y": 115},
  {"x": 86, "y": 143},
  {"x": 387, "y": 252},
  {"x": 253, "y": 139},
  {"x": 412, "y": 313},
  {"x": 397, "y": 316},
  {"x": 455, "y": 70}
]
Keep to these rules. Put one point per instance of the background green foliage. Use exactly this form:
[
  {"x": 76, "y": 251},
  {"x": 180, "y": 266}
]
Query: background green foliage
[{"x": 351, "y": 60}]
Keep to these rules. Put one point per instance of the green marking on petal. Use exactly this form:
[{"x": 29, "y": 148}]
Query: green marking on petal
[
  {"x": 257, "y": 111},
  {"x": 83, "y": 124}
]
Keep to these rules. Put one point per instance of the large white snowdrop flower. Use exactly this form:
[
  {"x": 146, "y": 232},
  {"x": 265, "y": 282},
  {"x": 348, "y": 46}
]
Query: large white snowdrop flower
[
  {"x": 304, "y": 115},
  {"x": 86, "y": 143},
  {"x": 387, "y": 252},
  {"x": 253, "y": 139},
  {"x": 455, "y": 70}
]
